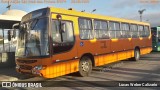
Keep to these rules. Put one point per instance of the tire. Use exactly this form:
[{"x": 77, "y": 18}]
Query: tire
[
  {"x": 136, "y": 55},
  {"x": 85, "y": 66}
]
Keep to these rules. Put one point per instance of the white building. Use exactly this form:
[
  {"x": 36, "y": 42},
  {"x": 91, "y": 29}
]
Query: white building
[
  {"x": 12, "y": 15},
  {"x": 7, "y": 19}
]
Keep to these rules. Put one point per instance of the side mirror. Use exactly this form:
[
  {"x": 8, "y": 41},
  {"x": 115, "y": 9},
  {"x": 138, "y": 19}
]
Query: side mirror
[
  {"x": 9, "y": 35},
  {"x": 63, "y": 27},
  {"x": 14, "y": 33}
]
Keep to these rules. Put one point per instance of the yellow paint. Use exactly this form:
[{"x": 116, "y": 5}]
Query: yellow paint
[
  {"x": 114, "y": 40},
  {"x": 93, "y": 41},
  {"x": 129, "y": 39}
]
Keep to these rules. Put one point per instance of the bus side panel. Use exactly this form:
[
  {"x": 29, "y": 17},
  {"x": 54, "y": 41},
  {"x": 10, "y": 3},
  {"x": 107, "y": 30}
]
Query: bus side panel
[
  {"x": 103, "y": 46},
  {"x": 142, "y": 42},
  {"x": 113, "y": 57},
  {"x": 105, "y": 59},
  {"x": 61, "y": 68},
  {"x": 121, "y": 45},
  {"x": 117, "y": 45},
  {"x": 85, "y": 46},
  {"x": 96, "y": 48},
  {"x": 146, "y": 50},
  {"x": 127, "y": 44},
  {"x": 135, "y": 42}
]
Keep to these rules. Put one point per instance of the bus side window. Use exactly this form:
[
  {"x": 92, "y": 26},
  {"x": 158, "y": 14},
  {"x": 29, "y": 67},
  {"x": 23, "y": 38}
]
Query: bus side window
[
  {"x": 114, "y": 28},
  {"x": 85, "y": 29},
  {"x": 101, "y": 29},
  {"x": 134, "y": 31},
  {"x": 147, "y": 31},
  {"x": 141, "y": 31},
  {"x": 125, "y": 30}
]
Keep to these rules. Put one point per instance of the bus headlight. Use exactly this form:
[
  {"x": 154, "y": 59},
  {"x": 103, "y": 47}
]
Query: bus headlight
[
  {"x": 36, "y": 69},
  {"x": 39, "y": 67},
  {"x": 17, "y": 66}
]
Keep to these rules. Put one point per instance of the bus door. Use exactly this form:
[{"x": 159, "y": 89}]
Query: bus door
[
  {"x": 63, "y": 38},
  {"x": 158, "y": 34},
  {"x": 154, "y": 39}
]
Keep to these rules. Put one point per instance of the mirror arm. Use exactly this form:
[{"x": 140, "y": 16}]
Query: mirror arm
[{"x": 17, "y": 24}]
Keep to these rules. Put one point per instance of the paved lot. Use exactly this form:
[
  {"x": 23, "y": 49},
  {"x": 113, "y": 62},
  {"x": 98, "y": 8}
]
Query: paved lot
[{"x": 146, "y": 69}]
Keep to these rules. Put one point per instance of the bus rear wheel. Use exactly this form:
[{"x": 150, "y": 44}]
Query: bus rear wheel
[
  {"x": 136, "y": 55},
  {"x": 85, "y": 66}
]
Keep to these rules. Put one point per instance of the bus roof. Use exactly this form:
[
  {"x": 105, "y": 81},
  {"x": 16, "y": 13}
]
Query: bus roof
[{"x": 73, "y": 12}]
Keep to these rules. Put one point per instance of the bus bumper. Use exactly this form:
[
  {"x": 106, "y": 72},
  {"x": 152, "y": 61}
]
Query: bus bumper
[{"x": 34, "y": 71}]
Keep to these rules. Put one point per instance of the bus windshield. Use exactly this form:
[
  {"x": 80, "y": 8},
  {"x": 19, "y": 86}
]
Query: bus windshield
[{"x": 33, "y": 38}]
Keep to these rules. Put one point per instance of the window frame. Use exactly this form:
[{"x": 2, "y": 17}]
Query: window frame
[
  {"x": 129, "y": 30},
  {"x": 86, "y": 29},
  {"x": 149, "y": 30},
  {"x": 125, "y": 23},
  {"x": 141, "y": 34},
  {"x": 107, "y": 29},
  {"x": 114, "y": 30}
]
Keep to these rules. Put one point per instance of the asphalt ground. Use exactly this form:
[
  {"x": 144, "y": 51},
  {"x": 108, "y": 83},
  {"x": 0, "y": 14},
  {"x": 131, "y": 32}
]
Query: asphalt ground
[{"x": 146, "y": 70}]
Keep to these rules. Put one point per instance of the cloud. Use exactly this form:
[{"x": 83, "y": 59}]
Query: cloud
[
  {"x": 135, "y": 3},
  {"x": 129, "y": 9},
  {"x": 124, "y": 3},
  {"x": 152, "y": 18}
]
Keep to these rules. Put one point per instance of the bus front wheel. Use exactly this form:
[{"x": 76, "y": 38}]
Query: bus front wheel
[
  {"x": 85, "y": 66},
  {"x": 136, "y": 55}
]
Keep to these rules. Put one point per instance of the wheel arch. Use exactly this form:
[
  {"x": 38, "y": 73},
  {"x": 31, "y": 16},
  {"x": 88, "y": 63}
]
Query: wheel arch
[
  {"x": 90, "y": 56},
  {"x": 137, "y": 48}
]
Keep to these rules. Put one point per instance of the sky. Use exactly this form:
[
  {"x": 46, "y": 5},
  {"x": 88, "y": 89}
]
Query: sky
[{"x": 127, "y": 9}]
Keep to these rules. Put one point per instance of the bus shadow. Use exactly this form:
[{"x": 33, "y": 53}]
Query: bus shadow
[
  {"x": 155, "y": 52},
  {"x": 150, "y": 58},
  {"x": 76, "y": 74},
  {"x": 9, "y": 73}
]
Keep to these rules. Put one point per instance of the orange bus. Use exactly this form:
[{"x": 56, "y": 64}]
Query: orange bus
[{"x": 53, "y": 41}]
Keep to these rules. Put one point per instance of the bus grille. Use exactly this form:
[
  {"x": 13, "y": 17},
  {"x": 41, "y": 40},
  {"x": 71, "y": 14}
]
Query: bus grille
[
  {"x": 27, "y": 61},
  {"x": 25, "y": 67}
]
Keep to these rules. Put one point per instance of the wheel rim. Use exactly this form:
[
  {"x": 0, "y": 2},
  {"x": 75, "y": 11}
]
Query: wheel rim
[{"x": 85, "y": 66}]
